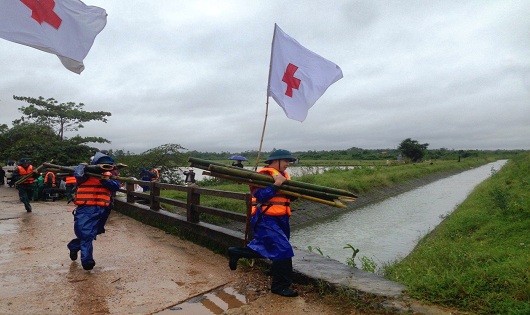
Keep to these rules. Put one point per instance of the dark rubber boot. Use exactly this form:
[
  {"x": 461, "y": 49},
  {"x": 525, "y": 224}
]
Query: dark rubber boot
[
  {"x": 282, "y": 273},
  {"x": 89, "y": 265},
  {"x": 73, "y": 247},
  {"x": 235, "y": 253},
  {"x": 73, "y": 255}
]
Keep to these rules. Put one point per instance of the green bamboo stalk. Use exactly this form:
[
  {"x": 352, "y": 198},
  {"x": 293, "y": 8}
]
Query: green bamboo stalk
[
  {"x": 23, "y": 178},
  {"x": 70, "y": 170},
  {"x": 204, "y": 164},
  {"x": 334, "y": 203},
  {"x": 267, "y": 179},
  {"x": 295, "y": 190}
]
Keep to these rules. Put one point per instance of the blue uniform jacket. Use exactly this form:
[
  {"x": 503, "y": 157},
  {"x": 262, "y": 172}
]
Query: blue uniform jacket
[{"x": 271, "y": 233}]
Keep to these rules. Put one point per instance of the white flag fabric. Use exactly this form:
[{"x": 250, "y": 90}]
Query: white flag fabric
[
  {"x": 298, "y": 77},
  {"x": 66, "y": 28}
]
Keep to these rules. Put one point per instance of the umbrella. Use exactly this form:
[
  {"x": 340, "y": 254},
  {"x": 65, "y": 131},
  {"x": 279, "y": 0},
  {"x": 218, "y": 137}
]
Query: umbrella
[{"x": 237, "y": 158}]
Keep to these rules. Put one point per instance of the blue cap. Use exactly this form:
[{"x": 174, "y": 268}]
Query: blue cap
[
  {"x": 100, "y": 158},
  {"x": 24, "y": 160},
  {"x": 280, "y": 154}
]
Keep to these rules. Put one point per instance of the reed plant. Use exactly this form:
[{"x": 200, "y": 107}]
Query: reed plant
[{"x": 478, "y": 259}]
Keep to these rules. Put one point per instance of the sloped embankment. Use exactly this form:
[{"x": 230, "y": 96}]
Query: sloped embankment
[{"x": 306, "y": 212}]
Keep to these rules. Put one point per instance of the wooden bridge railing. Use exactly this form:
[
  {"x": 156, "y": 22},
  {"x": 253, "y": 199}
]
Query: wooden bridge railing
[{"x": 153, "y": 214}]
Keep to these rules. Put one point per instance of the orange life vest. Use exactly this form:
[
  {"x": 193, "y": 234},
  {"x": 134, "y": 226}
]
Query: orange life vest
[
  {"x": 52, "y": 176},
  {"x": 156, "y": 174},
  {"x": 23, "y": 172},
  {"x": 70, "y": 180},
  {"x": 277, "y": 205},
  {"x": 92, "y": 193}
]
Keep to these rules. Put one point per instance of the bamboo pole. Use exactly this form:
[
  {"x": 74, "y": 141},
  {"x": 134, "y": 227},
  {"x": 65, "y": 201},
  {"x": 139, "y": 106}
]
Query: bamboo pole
[
  {"x": 269, "y": 180},
  {"x": 261, "y": 183},
  {"x": 23, "y": 178},
  {"x": 322, "y": 194},
  {"x": 334, "y": 203},
  {"x": 70, "y": 170},
  {"x": 204, "y": 164}
]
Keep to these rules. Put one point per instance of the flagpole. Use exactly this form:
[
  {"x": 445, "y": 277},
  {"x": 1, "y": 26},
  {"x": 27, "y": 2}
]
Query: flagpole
[
  {"x": 267, "y": 102},
  {"x": 262, "y": 133}
]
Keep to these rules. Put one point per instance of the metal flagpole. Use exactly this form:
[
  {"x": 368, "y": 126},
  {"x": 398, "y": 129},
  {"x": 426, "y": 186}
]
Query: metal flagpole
[{"x": 267, "y": 102}]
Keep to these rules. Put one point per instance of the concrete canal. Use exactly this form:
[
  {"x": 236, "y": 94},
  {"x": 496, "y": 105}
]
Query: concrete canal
[{"x": 389, "y": 230}]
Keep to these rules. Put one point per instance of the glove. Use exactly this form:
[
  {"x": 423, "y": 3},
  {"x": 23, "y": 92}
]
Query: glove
[{"x": 79, "y": 170}]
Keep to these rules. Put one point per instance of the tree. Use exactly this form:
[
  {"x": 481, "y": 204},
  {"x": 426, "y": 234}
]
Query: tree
[
  {"x": 41, "y": 143},
  {"x": 61, "y": 117},
  {"x": 168, "y": 157},
  {"x": 412, "y": 149}
]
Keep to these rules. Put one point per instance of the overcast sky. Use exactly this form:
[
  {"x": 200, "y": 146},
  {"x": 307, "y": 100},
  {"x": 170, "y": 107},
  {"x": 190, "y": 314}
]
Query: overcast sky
[{"x": 454, "y": 74}]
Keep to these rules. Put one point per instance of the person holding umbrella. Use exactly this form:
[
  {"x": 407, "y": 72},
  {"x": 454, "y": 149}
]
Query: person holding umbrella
[
  {"x": 237, "y": 160},
  {"x": 237, "y": 164}
]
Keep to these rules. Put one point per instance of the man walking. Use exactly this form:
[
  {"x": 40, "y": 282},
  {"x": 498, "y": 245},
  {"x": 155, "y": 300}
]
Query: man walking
[
  {"x": 25, "y": 189},
  {"x": 93, "y": 197}
]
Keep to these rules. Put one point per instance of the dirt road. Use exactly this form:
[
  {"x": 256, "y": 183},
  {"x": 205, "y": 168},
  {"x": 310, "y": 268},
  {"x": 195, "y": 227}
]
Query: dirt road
[{"x": 139, "y": 269}]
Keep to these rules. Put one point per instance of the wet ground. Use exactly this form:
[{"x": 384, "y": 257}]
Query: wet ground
[{"x": 139, "y": 270}]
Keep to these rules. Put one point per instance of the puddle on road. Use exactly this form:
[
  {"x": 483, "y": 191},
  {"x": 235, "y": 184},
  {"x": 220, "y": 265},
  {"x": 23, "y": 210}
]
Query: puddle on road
[{"x": 214, "y": 302}]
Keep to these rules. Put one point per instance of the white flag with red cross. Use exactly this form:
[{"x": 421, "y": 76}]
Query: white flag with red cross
[
  {"x": 66, "y": 28},
  {"x": 298, "y": 77}
]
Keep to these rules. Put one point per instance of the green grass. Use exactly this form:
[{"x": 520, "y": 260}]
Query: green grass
[
  {"x": 478, "y": 259},
  {"x": 358, "y": 180},
  {"x": 364, "y": 179},
  {"x": 211, "y": 201}
]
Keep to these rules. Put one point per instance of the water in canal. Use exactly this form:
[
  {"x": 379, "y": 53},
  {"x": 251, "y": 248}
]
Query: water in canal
[{"x": 389, "y": 230}]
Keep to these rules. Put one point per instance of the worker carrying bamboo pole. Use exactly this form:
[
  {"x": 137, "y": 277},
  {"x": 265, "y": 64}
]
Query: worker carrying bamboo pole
[
  {"x": 93, "y": 199},
  {"x": 24, "y": 177},
  {"x": 270, "y": 225}
]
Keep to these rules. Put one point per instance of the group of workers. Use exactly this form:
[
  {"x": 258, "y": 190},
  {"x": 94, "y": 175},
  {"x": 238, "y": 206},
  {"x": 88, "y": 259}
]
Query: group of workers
[
  {"x": 39, "y": 186},
  {"x": 269, "y": 217},
  {"x": 93, "y": 195}
]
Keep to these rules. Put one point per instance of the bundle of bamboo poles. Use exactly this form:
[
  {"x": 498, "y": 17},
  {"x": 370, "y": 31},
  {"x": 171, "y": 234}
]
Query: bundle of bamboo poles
[
  {"x": 321, "y": 194},
  {"x": 23, "y": 178},
  {"x": 91, "y": 170}
]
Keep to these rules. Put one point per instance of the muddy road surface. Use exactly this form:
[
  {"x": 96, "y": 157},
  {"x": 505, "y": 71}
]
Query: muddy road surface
[{"x": 139, "y": 269}]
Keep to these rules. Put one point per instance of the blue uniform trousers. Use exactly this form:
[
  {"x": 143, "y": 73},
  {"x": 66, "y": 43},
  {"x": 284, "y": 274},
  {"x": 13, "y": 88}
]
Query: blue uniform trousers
[{"x": 87, "y": 221}]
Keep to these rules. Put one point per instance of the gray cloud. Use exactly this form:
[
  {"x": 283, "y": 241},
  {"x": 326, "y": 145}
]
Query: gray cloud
[{"x": 452, "y": 74}]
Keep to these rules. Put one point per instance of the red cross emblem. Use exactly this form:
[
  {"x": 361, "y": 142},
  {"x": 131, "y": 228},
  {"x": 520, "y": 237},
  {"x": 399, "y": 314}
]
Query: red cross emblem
[
  {"x": 290, "y": 80},
  {"x": 42, "y": 12}
]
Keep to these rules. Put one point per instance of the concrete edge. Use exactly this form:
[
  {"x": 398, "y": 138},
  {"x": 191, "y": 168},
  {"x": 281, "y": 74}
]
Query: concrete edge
[{"x": 337, "y": 274}]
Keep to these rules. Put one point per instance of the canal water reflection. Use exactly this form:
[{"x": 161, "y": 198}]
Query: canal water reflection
[{"x": 389, "y": 230}]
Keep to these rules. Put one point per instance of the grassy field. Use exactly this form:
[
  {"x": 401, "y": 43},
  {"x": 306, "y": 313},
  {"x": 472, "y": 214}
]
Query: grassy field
[
  {"x": 357, "y": 180},
  {"x": 369, "y": 177},
  {"x": 478, "y": 259}
]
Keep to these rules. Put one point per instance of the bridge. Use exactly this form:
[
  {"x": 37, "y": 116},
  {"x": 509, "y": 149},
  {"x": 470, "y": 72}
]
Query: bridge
[{"x": 139, "y": 269}]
